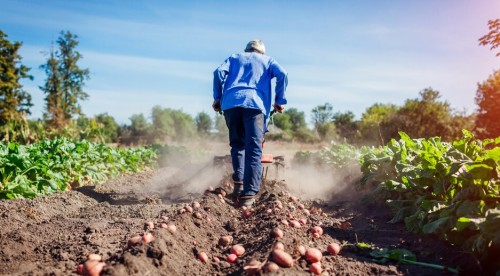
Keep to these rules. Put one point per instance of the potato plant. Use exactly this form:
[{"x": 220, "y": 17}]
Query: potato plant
[
  {"x": 55, "y": 165},
  {"x": 447, "y": 189}
]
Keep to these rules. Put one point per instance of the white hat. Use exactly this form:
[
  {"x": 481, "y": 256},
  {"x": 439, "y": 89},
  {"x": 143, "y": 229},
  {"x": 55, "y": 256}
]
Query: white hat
[{"x": 256, "y": 45}]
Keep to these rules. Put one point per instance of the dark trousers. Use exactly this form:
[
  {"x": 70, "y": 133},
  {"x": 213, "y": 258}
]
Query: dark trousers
[{"x": 246, "y": 130}]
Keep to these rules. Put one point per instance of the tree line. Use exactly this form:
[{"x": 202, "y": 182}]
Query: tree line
[{"x": 424, "y": 116}]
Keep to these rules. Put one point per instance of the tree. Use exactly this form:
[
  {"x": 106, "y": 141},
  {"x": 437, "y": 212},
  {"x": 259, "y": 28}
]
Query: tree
[
  {"x": 297, "y": 119},
  {"x": 345, "y": 125},
  {"x": 203, "y": 123},
  {"x": 493, "y": 37},
  {"x": 110, "y": 127},
  {"x": 14, "y": 101},
  {"x": 283, "y": 121},
  {"x": 139, "y": 126},
  {"x": 322, "y": 120},
  {"x": 65, "y": 80},
  {"x": 423, "y": 117},
  {"x": 174, "y": 124},
  {"x": 488, "y": 101},
  {"x": 372, "y": 120}
]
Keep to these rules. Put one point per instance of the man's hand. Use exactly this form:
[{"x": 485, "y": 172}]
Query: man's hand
[
  {"x": 216, "y": 106},
  {"x": 279, "y": 107}
]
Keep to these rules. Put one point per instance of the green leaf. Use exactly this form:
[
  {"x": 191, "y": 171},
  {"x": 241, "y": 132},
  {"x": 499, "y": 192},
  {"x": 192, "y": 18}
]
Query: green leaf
[
  {"x": 493, "y": 154},
  {"x": 481, "y": 171},
  {"x": 436, "y": 226},
  {"x": 462, "y": 223}
]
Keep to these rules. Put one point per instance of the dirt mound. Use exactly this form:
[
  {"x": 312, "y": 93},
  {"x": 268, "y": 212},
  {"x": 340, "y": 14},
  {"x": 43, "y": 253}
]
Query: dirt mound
[{"x": 54, "y": 234}]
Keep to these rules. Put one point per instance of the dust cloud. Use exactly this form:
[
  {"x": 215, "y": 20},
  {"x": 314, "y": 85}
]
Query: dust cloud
[
  {"x": 311, "y": 183},
  {"x": 182, "y": 180},
  {"x": 187, "y": 182}
]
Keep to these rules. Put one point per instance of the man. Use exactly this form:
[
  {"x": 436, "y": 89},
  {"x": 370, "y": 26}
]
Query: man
[{"x": 242, "y": 89}]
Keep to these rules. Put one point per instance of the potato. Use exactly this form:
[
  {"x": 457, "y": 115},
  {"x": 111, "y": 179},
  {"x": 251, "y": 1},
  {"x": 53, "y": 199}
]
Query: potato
[
  {"x": 196, "y": 205},
  {"x": 252, "y": 267},
  {"x": 93, "y": 268},
  {"x": 284, "y": 222},
  {"x": 225, "y": 240},
  {"x": 301, "y": 249},
  {"x": 333, "y": 248},
  {"x": 246, "y": 213},
  {"x": 238, "y": 250},
  {"x": 293, "y": 198},
  {"x": 277, "y": 233},
  {"x": 271, "y": 267},
  {"x": 215, "y": 260},
  {"x": 188, "y": 209},
  {"x": 279, "y": 245},
  {"x": 295, "y": 224},
  {"x": 149, "y": 225},
  {"x": 197, "y": 215},
  {"x": 282, "y": 258},
  {"x": 135, "y": 240},
  {"x": 300, "y": 206},
  {"x": 303, "y": 221},
  {"x": 172, "y": 228},
  {"x": 269, "y": 211},
  {"x": 164, "y": 226},
  {"x": 231, "y": 258},
  {"x": 148, "y": 237},
  {"x": 94, "y": 257},
  {"x": 313, "y": 255},
  {"x": 316, "y": 268},
  {"x": 317, "y": 231},
  {"x": 164, "y": 218},
  {"x": 79, "y": 269},
  {"x": 203, "y": 257}
]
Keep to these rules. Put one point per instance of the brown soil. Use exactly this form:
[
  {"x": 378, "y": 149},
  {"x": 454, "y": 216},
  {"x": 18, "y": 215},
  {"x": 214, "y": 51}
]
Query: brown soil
[{"x": 52, "y": 235}]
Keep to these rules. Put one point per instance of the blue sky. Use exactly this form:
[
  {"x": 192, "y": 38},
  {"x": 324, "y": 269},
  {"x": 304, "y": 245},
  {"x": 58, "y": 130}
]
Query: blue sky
[{"x": 351, "y": 54}]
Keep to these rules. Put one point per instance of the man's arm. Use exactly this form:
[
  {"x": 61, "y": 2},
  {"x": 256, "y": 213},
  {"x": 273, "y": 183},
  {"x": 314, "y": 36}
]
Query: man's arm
[
  {"x": 281, "y": 83},
  {"x": 219, "y": 78}
]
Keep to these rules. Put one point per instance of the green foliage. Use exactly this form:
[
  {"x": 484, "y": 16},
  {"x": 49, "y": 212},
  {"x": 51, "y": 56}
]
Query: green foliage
[
  {"x": 102, "y": 128},
  {"x": 374, "y": 124},
  {"x": 424, "y": 117},
  {"x": 322, "y": 119},
  {"x": 336, "y": 156},
  {"x": 172, "y": 124},
  {"x": 435, "y": 187},
  {"x": 55, "y": 165},
  {"x": 203, "y": 124},
  {"x": 14, "y": 101},
  {"x": 404, "y": 256},
  {"x": 488, "y": 101},
  {"x": 293, "y": 124},
  {"x": 345, "y": 125},
  {"x": 64, "y": 83}
]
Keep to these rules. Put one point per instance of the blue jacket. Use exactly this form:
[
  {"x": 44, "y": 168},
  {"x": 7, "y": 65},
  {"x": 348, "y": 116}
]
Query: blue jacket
[{"x": 244, "y": 80}]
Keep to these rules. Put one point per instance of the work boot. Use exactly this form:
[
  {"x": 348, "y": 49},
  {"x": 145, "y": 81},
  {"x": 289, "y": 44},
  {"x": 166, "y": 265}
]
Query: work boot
[
  {"x": 237, "y": 189},
  {"x": 247, "y": 201}
]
